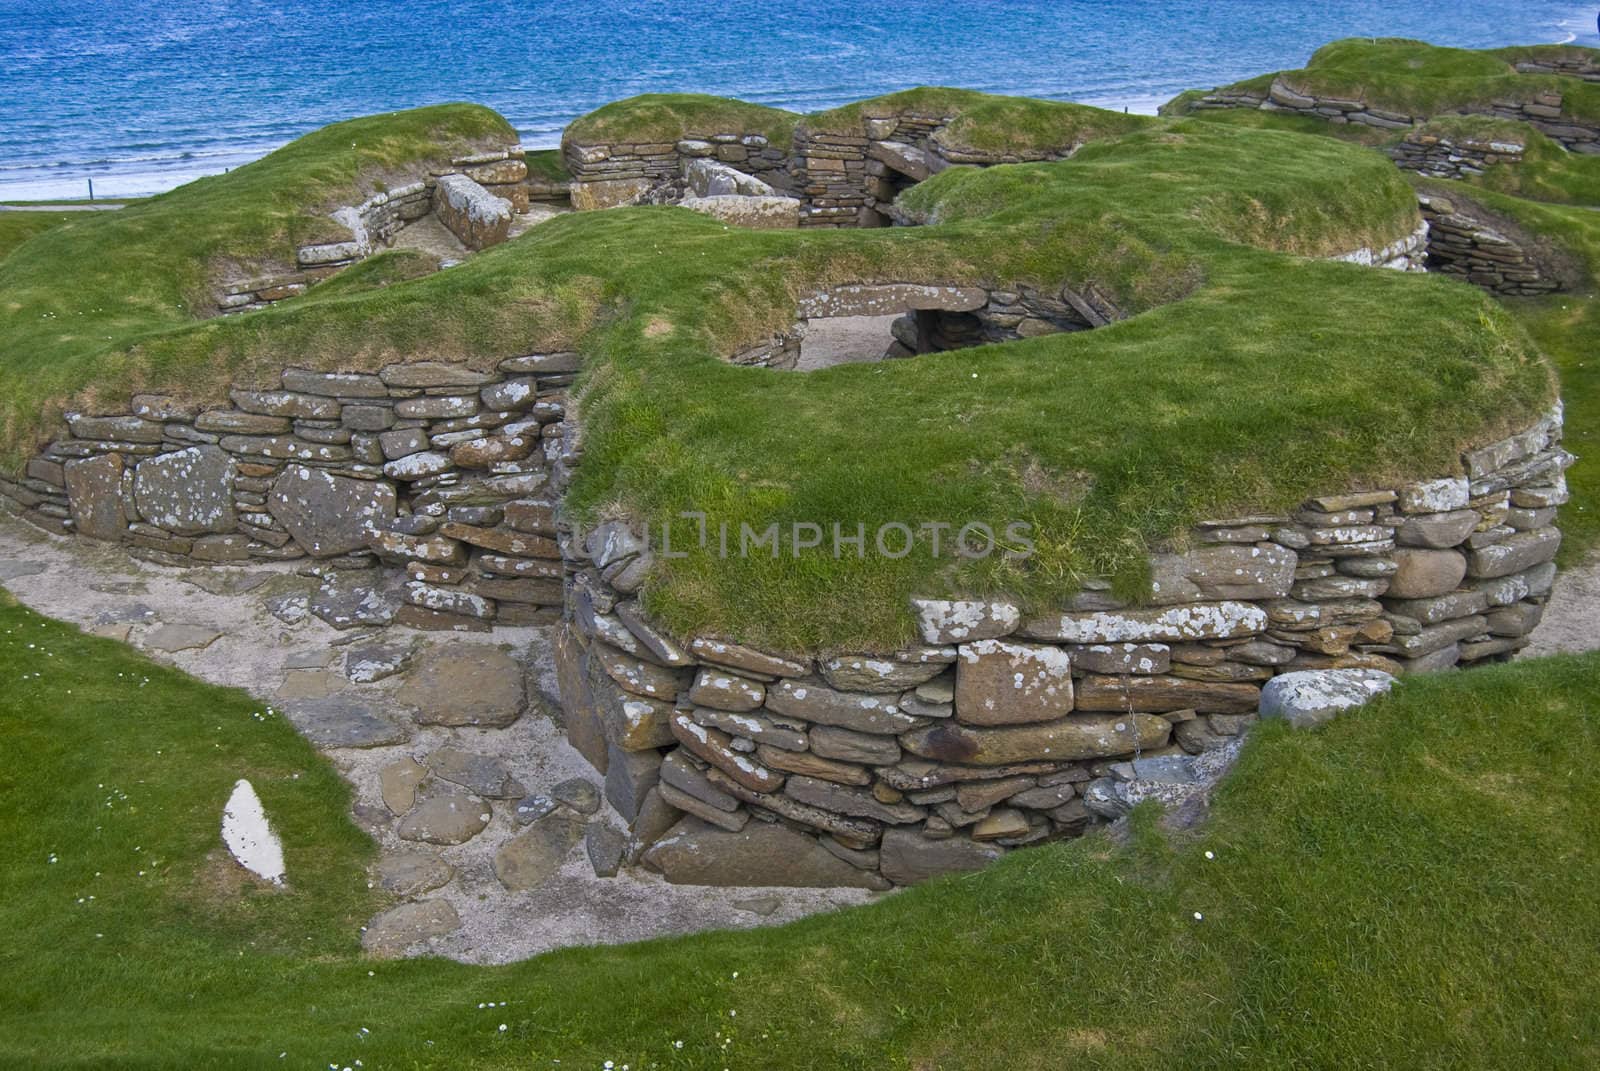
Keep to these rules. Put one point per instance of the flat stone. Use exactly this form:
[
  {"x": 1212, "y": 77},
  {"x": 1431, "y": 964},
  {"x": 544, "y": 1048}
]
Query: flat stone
[
  {"x": 1143, "y": 659},
  {"x": 398, "y": 783},
  {"x": 485, "y": 775},
  {"x": 813, "y": 765},
  {"x": 716, "y": 747},
  {"x": 189, "y": 492},
  {"x": 726, "y": 691},
  {"x": 1224, "y": 571},
  {"x": 389, "y": 934},
  {"x": 605, "y": 845},
  {"x": 14, "y": 570},
  {"x": 746, "y": 659},
  {"x": 843, "y": 799},
  {"x": 461, "y": 684},
  {"x": 960, "y": 620},
  {"x": 174, "y": 638},
  {"x": 849, "y": 710},
  {"x": 755, "y": 727},
  {"x": 907, "y": 857},
  {"x": 340, "y": 721},
  {"x": 1425, "y": 573},
  {"x": 1077, "y": 736},
  {"x": 693, "y": 852},
  {"x": 328, "y": 515},
  {"x": 530, "y": 809},
  {"x": 532, "y": 858},
  {"x": 1438, "y": 530},
  {"x": 309, "y": 684},
  {"x": 411, "y": 873},
  {"x": 846, "y": 745},
  {"x": 759, "y": 905},
  {"x": 1516, "y": 554},
  {"x": 1164, "y": 693},
  {"x": 1310, "y": 697},
  {"x": 863, "y": 673},
  {"x": 579, "y": 794},
  {"x": 638, "y": 677},
  {"x": 432, "y": 374},
  {"x": 366, "y": 663},
  {"x": 1004, "y": 683},
  {"x": 630, "y": 775},
  {"x": 1435, "y": 496},
  {"x": 94, "y": 495},
  {"x": 349, "y": 601},
  {"x": 1200, "y": 621},
  {"x": 445, "y": 816}
]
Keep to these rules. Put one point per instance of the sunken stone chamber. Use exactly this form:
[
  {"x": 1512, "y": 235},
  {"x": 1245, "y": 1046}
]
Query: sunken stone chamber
[{"x": 429, "y": 495}]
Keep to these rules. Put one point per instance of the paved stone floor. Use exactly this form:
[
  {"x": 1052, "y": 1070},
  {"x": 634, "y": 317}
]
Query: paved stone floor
[{"x": 493, "y": 830}]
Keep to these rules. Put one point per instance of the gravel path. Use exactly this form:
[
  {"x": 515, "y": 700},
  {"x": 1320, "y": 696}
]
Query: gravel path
[{"x": 1572, "y": 618}]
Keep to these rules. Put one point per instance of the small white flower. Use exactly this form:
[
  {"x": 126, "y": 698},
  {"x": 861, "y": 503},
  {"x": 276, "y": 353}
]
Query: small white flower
[
  {"x": 502, "y": 1028},
  {"x": 1198, "y": 917},
  {"x": 1210, "y": 855}
]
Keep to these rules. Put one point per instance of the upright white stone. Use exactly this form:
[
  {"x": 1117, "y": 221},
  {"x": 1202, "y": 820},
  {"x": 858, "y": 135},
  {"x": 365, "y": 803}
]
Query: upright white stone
[{"x": 248, "y": 835}]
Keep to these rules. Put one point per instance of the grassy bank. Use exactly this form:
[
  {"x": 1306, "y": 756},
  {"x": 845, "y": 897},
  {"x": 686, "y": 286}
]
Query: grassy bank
[
  {"x": 1410, "y": 886},
  {"x": 1192, "y": 228}
]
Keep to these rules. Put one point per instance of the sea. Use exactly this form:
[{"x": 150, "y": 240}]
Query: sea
[{"x": 140, "y": 96}]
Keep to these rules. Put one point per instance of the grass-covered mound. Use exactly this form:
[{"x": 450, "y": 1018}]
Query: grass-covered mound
[
  {"x": 1410, "y": 886},
  {"x": 984, "y": 123},
  {"x": 1419, "y": 79},
  {"x": 1247, "y": 376}
]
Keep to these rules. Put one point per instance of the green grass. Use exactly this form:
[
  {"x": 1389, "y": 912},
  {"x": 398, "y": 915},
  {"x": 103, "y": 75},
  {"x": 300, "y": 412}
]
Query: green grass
[
  {"x": 18, "y": 227},
  {"x": 1416, "y": 78},
  {"x": 662, "y": 118},
  {"x": 1173, "y": 414},
  {"x": 1411, "y": 886}
]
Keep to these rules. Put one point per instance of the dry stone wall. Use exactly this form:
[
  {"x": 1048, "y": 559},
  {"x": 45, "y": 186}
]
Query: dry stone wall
[
  {"x": 1442, "y": 156},
  {"x": 1544, "y": 112},
  {"x": 374, "y": 223},
  {"x": 1000, "y": 729},
  {"x": 426, "y": 493},
  {"x": 1460, "y": 244}
]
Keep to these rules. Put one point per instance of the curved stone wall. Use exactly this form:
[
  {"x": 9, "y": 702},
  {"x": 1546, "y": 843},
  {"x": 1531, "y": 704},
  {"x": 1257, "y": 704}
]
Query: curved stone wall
[{"x": 1002, "y": 729}]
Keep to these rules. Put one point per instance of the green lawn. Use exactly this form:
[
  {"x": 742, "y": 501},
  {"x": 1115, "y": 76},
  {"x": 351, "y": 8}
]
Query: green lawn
[
  {"x": 18, "y": 227},
  {"x": 1412, "y": 886}
]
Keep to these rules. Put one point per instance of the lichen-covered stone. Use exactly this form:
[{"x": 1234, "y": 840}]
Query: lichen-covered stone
[
  {"x": 94, "y": 495},
  {"x": 1077, "y": 736},
  {"x": 694, "y": 852},
  {"x": 1003, "y": 683},
  {"x": 326, "y": 514},
  {"x": 1311, "y": 697},
  {"x": 189, "y": 492}
]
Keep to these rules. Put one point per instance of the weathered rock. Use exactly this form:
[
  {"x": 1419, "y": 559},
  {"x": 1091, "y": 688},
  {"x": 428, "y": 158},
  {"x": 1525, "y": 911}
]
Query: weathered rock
[
  {"x": 326, "y": 514},
  {"x": 1438, "y": 530},
  {"x": 94, "y": 495},
  {"x": 748, "y": 660},
  {"x": 604, "y": 844},
  {"x": 412, "y": 872},
  {"x": 842, "y": 799},
  {"x": 716, "y": 747},
  {"x": 1223, "y": 571},
  {"x": 1144, "y": 659},
  {"x": 726, "y": 691},
  {"x": 1426, "y": 573},
  {"x": 608, "y": 193},
  {"x": 485, "y": 775},
  {"x": 694, "y": 852},
  {"x": 347, "y": 601},
  {"x": 962, "y": 620},
  {"x": 470, "y": 212},
  {"x": 445, "y": 817},
  {"x": 174, "y": 638},
  {"x": 906, "y": 857},
  {"x": 465, "y": 684},
  {"x": 1441, "y": 607},
  {"x": 636, "y": 676},
  {"x": 846, "y": 745},
  {"x": 399, "y": 781},
  {"x": 1003, "y": 683},
  {"x": 1201, "y": 621},
  {"x": 862, "y": 673},
  {"x": 1164, "y": 693},
  {"x": 342, "y": 721},
  {"x": 1516, "y": 554},
  {"x": 189, "y": 492},
  {"x": 752, "y": 213},
  {"x": 1309, "y": 698},
  {"x": 532, "y": 858},
  {"x": 397, "y": 929},
  {"x": 369, "y": 662},
  {"x": 849, "y": 710},
  {"x": 1077, "y": 736},
  {"x": 813, "y": 765},
  {"x": 754, "y": 727}
]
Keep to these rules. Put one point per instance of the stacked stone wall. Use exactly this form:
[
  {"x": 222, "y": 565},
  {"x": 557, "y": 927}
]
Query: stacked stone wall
[
  {"x": 1544, "y": 112},
  {"x": 426, "y": 491},
  {"x": 605, "y": 175},
  {"x": 1461, "y": 245},
  {"x": 1000, "y": 729},
  {"x": 1439, "y": 156},
  {"x": 373, "y": 225}
]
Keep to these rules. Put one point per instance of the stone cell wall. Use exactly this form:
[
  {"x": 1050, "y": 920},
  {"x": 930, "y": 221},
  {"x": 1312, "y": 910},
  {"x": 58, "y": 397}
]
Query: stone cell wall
[
  {"x": 426, "y": 492},
  {"x": 607, "y": 175},
  {"x": 1438, "y": 156},
  {"x": 1461, "y": 245},
  {"x": 1544, "y": 112},
  {"x": 373, "y": 225},
  {"x": 998, "y": 729}
]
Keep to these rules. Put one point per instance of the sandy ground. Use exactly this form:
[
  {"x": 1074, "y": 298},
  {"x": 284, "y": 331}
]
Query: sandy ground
[{"x": 102, "y": 590}]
